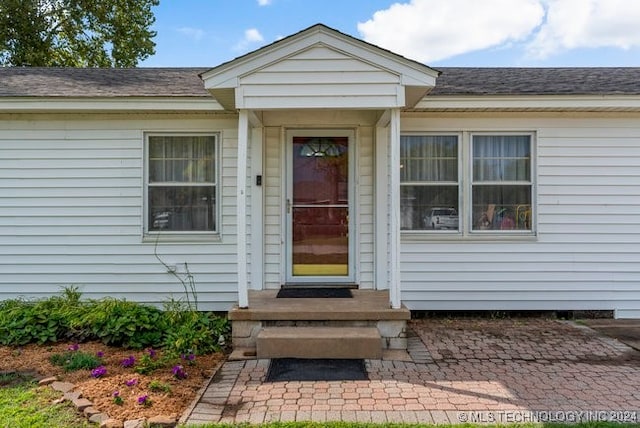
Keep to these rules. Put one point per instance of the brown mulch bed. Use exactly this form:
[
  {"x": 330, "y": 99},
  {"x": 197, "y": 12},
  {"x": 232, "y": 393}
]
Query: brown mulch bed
[{"x": 100, "y": 391}]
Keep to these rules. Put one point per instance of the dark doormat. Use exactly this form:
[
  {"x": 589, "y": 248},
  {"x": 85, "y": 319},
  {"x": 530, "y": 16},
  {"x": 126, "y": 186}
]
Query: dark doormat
[
  {"x": 314, "y": 293},
  {"x": 298, "y": 369}
]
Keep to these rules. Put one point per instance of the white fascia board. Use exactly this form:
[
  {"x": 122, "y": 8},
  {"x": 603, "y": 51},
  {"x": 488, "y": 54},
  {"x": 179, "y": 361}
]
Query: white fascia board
[
  {"x": 412, "y": 73},
  {"x": 531, "y": 102},
  {"x": 44, "y": 104}
]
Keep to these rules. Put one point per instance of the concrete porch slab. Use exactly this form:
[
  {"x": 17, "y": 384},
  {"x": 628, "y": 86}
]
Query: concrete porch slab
[{"x": 365, "y": 305}]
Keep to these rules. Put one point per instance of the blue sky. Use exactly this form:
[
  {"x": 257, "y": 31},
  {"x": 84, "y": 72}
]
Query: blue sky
[{"x": 519, "y": 33}]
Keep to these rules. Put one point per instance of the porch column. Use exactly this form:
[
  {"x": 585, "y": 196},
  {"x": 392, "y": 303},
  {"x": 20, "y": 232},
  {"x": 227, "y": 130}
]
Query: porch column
[
  {"x": 241, "y": 208},
  {"x": 394, "y": 208}
]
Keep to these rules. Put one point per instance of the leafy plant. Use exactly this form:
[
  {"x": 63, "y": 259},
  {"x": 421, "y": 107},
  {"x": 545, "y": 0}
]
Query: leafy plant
[
  {"x": 40, "y": 321},
  {"x": 193, "y": 332},
  {"x": 147, "y": 364},
  {"x": 157, "y": 386},
  {"x": 179, "y": 329},
  {"x": 75, "y": 360},
  {"x": 127, "y": 324}
]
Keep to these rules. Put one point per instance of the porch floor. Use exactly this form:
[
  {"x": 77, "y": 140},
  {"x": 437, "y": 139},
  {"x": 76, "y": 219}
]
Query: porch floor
[{"x": 364, "y": 305}]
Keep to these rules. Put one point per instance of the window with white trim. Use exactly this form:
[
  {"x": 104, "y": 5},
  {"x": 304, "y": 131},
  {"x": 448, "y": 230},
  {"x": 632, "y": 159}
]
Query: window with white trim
[
  {"x": 502, "y": 183},
  {"x": 429, "y": 182},
  {"x": 467, "y": 183},
  {"x": 181, "y": 183}
]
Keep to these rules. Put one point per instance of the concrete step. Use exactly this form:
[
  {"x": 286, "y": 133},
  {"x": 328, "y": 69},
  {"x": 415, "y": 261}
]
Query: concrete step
[{"x": 319, "y": 342}]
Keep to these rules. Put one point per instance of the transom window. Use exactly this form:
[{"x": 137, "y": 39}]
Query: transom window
[
  {"x": 493, "y": 193},
  {"x": 181, "y": 183}
]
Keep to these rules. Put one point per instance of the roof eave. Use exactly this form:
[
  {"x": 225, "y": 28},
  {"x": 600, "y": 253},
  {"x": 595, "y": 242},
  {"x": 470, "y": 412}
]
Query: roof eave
[
  {"x": 107, "y": 104},
  {"x": 529, "y": 103}
]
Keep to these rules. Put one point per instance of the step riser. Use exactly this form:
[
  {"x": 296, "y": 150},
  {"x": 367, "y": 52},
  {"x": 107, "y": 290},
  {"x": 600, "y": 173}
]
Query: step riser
[
  {"x": 392, "y": 332},
  {"x": 319, "y": 342},
  {"x": 319, "y": 348}
]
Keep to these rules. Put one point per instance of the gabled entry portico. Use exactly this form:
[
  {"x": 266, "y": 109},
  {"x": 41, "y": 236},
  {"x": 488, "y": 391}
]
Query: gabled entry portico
[{"x": 318, "y": 83}]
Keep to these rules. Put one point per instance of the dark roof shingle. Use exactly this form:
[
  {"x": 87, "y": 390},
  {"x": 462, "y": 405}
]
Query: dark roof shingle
[
  {"x": 185, "y": 82},
  {"x": 538, "y": 81},
  {"x": 101, "y": 82}
]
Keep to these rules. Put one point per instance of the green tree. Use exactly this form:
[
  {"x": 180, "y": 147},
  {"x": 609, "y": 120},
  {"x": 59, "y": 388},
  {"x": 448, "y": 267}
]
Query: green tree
[{"x": 76, "y": 33}]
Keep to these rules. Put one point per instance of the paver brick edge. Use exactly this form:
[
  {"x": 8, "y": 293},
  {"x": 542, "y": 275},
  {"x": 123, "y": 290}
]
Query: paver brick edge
[{"x": 189, "y": 410}]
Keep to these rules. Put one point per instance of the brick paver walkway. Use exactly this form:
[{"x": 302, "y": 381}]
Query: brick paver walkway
[{"x": 461, "y": 370}]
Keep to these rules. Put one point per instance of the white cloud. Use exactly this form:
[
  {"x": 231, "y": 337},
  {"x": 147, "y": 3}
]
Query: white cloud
[
  {"x": 264, "y": 2},
  {"x": 574, "y": 24},
  {"x": 251, "y": 36},
  {"x": 430, "y": 30},
  {"x": 194, "y": 33}
]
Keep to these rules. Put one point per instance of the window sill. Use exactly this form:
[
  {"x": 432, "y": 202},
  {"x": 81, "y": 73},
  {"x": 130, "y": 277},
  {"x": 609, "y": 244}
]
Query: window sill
[
  {"x": 416, "y": 236},
  {"x": 210, "y": 238}
]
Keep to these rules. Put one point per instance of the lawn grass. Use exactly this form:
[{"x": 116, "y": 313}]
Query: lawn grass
[{"x": 24, "y": 404}]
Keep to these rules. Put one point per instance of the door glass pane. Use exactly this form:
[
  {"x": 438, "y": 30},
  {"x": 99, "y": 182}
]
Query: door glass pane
[{"x": 320, "y": 206}]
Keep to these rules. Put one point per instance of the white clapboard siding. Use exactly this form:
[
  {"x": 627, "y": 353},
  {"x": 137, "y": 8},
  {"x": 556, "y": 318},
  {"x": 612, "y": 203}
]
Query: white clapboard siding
[
  {"x": 586, "y": 254},
  {"x": 273, "y": 195},
  {"x": 71, "y": 211},
  {"x": 364, "y": 182},
  {"x": 320, "y": 77}
]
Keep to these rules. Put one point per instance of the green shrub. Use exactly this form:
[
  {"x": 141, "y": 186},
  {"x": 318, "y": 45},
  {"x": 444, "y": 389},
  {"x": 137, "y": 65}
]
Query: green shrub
[
  {"x": 128, "y": 324},
  {"x": 190, "y": 331},
  {"x": 76, "y": 360},
  {"x": 179, "y": 329},
  {"x": 41, "y": 321}
]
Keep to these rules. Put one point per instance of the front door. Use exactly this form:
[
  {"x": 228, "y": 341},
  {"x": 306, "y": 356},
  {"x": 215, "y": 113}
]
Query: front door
[{"x": 319, "y": 197}]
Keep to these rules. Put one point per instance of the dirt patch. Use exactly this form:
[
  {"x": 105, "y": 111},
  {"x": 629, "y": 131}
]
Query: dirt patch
[
  {"x": 626, "y": 331},
  {"x": 171, "y": 399}
]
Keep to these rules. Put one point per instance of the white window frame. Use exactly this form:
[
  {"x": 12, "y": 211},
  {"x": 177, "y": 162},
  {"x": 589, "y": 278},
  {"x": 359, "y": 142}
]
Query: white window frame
[
  {"x": 458, "y": 136},
  {"x": 168, "y": 235},
  {"x": 465, "y": 179},
  {"x": 471, "y": 182}
]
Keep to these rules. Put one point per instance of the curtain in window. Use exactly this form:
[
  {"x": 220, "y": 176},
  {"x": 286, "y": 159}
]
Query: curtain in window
[
  {"x": 501, "y": 194},
  {"x": 181, "y": 159},
  {"x": 429, "y": 181},
  {"x": 182, "y": 193},
  {"x": 429, "y": 158},
  {"x": 501, "y": 158}
]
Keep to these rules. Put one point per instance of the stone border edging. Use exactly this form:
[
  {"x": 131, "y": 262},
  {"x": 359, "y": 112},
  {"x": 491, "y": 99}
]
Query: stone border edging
[{"x": 94, "y": 415}]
